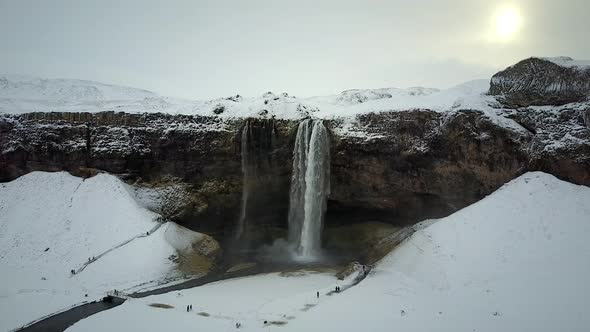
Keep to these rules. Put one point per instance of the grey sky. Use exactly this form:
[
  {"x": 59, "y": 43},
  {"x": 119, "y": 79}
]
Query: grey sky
[{"x": 208, "y": 49}]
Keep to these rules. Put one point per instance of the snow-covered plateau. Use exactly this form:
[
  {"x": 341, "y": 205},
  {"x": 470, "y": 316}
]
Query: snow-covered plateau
[{"x": 28, "y": 94}]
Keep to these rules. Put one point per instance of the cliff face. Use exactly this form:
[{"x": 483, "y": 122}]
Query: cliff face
[
  {"x": 424, "y": 164},
  {"x": 389, "y": 162},
  {"x": 197, "y": 158},
  {"x": 398, "y": 167}
]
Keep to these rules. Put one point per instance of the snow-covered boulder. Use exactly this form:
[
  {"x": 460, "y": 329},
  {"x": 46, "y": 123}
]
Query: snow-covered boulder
[{"x": 542, "y": 81}]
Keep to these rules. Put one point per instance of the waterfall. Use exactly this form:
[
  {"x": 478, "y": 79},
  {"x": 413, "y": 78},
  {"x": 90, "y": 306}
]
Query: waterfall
[
  {"x": 248, "y": 170},
  {"x": 256, "y": 145},
  {"x": 310, "y": 186}
]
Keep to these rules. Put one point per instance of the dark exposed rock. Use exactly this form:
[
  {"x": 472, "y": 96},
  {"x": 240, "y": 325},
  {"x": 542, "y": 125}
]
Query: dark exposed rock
[
  {"x": 219, "y": 109},
  {"x": 560, "y": 144},
  {"x": 422, "y": 164},
  {"x": 403, "y": 167},
  {"x": 537, "y": 81}
]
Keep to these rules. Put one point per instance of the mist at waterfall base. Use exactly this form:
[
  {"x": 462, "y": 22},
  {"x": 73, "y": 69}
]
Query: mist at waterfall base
[{"x": 309, "y": 189}]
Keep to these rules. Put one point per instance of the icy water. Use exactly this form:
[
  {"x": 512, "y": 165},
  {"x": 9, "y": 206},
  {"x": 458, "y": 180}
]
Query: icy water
[{"x": 60, "y": 322}]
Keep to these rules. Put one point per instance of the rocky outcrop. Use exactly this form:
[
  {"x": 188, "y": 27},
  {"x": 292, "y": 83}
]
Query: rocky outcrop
[
  {"x": 538, "y": 81},
  {"x": 560, "y": 140},
  {"x": 421, "y": 164}
]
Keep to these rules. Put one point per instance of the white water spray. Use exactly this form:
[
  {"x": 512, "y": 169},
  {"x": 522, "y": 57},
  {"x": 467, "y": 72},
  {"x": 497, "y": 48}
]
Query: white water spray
[{"x": 310, "y": 187}]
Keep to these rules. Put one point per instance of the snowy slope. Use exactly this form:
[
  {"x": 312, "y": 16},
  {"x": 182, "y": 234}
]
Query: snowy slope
[
  {"x": 32, "y": 88},
  {"x": 51, "y": 223},
  {"x": 22, "y": 95},
  {"x": 470, "y": 95},
  {"x": 515, "y": 261}
]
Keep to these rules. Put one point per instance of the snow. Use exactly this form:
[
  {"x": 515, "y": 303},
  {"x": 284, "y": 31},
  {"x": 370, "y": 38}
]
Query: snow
[
  {"x": 33, "y": 88},
  {"x": 40, "y": 95},
  {"x": 565, "y": 61},
  {"x": 470, "y": 95},
  {"x": 248, "y": 300},
  {"x": 61, "y": 95},
  {"x": 514, "y": 261},
  {"x": 51, "y": 223}
]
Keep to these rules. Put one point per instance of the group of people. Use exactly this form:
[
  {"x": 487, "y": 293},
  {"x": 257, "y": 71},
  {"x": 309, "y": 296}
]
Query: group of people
[
  {"x": 189, "y": 308},
  {"x": 337, "y": 290},
  {"x": 90, "y": 260}
]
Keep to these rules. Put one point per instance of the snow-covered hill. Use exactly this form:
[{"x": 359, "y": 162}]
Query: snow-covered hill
[
  {"x": 515, "y": 261},
  {"x": 51, "y": 223},
  {"x": 33, "y": 88}
]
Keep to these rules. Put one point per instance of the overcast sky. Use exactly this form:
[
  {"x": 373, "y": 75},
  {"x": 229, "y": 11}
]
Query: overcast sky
[{"x": 207, "y": 49}]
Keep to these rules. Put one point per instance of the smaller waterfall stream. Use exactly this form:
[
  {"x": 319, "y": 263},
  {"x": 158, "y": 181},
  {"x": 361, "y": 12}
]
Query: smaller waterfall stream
[
  {"x": 256, "y": 145},
  {"x": 248, "y": 170},
  {"x": 310, "y": 186}
]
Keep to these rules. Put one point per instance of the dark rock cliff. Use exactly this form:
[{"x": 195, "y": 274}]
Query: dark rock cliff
[{"x": 406, "y": 166}]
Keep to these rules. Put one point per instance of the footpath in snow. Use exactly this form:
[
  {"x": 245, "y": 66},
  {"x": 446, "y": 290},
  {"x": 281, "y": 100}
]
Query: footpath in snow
[{"x": 51, "y": 223}]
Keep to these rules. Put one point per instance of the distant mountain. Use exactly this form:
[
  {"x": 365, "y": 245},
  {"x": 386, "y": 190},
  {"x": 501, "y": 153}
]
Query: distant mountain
[{"x": 34, "y": 88}]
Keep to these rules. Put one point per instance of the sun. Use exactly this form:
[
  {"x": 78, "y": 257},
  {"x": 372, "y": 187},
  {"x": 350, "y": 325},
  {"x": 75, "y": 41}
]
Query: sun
[{"x": 507, "y": 22}]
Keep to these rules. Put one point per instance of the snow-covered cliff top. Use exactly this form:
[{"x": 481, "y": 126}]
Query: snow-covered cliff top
[
  {"x": 531, "y": 79},
  {"x": 566, "y": 61},
  {"x": 26, "y": 94}
]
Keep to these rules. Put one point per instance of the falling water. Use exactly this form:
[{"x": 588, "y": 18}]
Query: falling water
[
  {"x": 310, "y": 186},
  {"x": 248, "y": 173},
  {"x": 256, "y": 144}
]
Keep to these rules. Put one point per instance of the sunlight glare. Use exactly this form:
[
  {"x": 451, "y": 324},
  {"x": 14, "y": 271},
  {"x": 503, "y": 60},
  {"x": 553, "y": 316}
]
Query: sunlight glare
[{"x": 507, "y": 23}]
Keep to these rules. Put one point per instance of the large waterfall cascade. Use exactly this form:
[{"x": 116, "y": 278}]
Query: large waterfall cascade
[{"x": 310, "y": 187}]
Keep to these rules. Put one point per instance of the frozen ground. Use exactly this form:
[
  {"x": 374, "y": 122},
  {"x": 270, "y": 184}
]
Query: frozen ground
[
  {"x": 515, "y": 261},
  {"x": 51, "y": 223}
]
